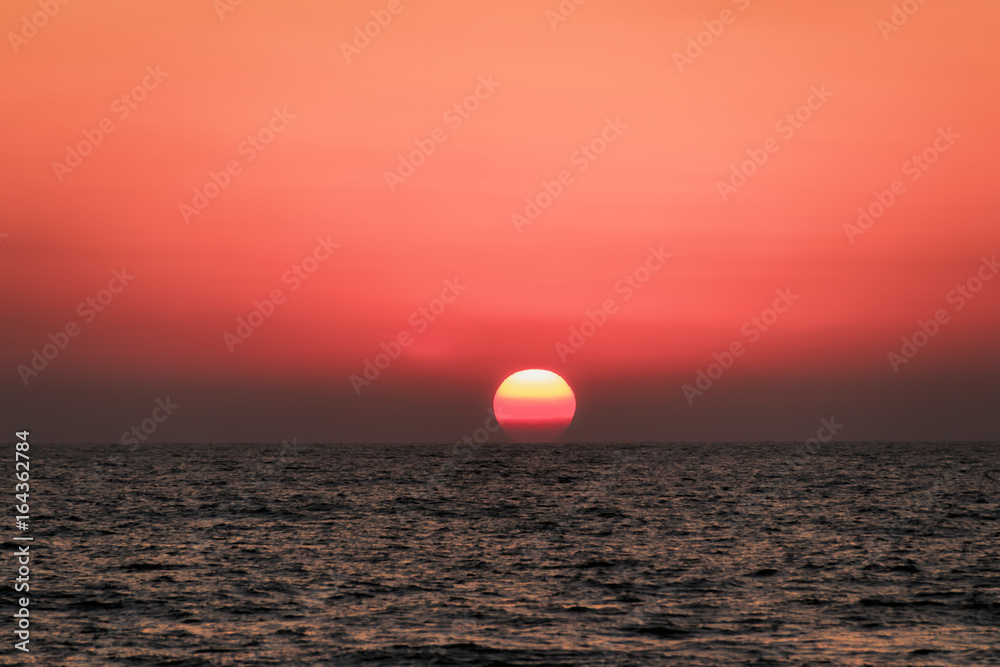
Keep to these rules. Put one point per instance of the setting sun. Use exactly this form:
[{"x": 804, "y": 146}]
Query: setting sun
[{"x": 534, "y": 405}]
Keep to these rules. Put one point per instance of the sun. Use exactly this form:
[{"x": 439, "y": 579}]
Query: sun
[{"x": 534, "y": 406}]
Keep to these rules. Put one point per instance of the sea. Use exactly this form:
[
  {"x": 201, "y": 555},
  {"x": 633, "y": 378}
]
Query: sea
[{"x": 861, "y": 553}]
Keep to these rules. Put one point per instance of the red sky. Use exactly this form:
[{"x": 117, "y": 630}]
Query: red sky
[{"x": 674, "y": 127}]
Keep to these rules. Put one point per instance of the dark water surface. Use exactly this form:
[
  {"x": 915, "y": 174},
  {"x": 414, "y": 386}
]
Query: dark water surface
[{"x": 644, "y": 554}]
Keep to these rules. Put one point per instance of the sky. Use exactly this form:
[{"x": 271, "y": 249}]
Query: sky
[{"x": 291, "y": 228}]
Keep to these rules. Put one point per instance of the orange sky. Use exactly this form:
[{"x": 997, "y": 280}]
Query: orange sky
[{"x": 609, "y": 74}]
